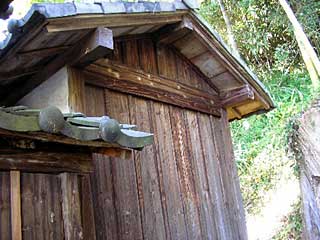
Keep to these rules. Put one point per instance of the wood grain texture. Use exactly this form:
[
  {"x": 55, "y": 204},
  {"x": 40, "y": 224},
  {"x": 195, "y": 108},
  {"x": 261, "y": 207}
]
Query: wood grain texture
[
  {"x": 44, "y": 161},
  {"x": 109, "y": 20},
  {"x": 95, "y": 105},
  {"x": 185, "y": 172},
  {"x": 124, "y": 177},
  {"x": 171, "y": 195},
  {"x": 76, "y": 84},
  {"x": 149, "y": 191},
  {"x": 15, "y": 197},
  {"x": 71, "y": 206},
  {"x": 5, "y": 206},
  {"x": 130, "y": 80},
  {"x": 216, "y": 189},
  {"x": 41, "y": 207},
  {"x": 229, "y": 177},
  {"x": 203, "y": 193},
  {"x": 103, "y": 196}
]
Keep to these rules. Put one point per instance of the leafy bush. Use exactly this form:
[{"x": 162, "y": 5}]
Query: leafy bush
[{"x": 260, "y": 141}]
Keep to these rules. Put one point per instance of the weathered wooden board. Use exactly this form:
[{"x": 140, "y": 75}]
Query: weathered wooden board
[
  {"x": 139, "y": 83},
  {"x": 87, "y": 211},
  {"x": 148, "y": 62},
  {"x": 185, "y": 172},
  {"x": 229, "y": 177},
  {"x": 5, "y": 206},
  {"x": 71, "y": 206},
  {"x": 196, "y": 148},
  {"x": 171, "y": 195},
  {"x": 41, "y": 207},
  {"x": 44, "y": 161},
  {"x": 94, "y": 101},
  {"x": 215, "y": 187},
  {"x": 152, "y": 215},
  {"x": 103, "y": 196},
  {"x": 124, "y": 177}
]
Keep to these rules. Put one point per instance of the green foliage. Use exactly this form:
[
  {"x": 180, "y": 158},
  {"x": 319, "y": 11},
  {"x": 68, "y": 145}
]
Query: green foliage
[
  {"x": 291, "y": 225},
  {"x": 264, "y": 35},
  {"x": 260, "y": 141},
  {"x": 265, "y": 39}
]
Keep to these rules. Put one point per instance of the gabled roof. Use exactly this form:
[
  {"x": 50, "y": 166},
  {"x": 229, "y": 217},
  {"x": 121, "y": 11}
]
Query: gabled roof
[{"x": 48, "y": 30}]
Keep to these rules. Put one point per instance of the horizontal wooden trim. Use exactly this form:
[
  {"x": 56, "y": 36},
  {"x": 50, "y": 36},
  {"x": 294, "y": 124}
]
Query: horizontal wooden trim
[
  {"x": 47, "y": 137},
  {"x": 112, "y": 20},
  {"x": 44, "y": 161},
  {"x": 129, "y": 80}
]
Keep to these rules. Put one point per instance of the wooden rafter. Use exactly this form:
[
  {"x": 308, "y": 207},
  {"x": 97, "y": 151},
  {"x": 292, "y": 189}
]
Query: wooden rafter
[
  {"x": 93, "y": 46},
  {"x": 112, "y": 20}
]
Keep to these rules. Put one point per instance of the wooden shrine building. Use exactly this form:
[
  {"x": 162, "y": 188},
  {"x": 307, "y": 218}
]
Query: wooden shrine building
[{"x": 149, "y": 68}]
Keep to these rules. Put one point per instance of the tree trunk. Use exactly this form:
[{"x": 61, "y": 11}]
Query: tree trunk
[
  {"x": 308, "y": 54},
  {"x": 231, "y": 40}
]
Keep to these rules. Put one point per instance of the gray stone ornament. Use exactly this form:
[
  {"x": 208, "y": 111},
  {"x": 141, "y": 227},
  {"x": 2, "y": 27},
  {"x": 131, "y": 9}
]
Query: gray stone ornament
[
  {"x": 51, "y": 120},
  {"x": 109, "y": 129}
]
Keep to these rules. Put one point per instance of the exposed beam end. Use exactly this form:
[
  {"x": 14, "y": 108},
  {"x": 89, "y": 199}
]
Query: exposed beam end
[
  {"x": 236, "y": 96},
  {"x": 99, "y": 45},
  {"x": 174, "y": 32}
]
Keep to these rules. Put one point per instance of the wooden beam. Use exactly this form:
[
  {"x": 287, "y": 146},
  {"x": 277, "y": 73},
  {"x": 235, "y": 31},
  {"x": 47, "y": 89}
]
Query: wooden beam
[
  {"x": 99, "y": 45},
  {"x": 236, "y": 96},
  {"x": 134, "y": 81},
  {"x": 173, "y": 32},
  {"x": 113, "y": 20},
  {"x": 45, "y": 161},
  {"x": 15, "y": 196}
]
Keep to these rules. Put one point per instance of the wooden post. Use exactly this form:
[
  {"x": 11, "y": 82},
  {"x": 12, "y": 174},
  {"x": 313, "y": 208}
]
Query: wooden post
[{"x": 15, "y": 205}]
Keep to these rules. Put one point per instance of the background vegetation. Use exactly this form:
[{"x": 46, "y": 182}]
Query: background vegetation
[{"x": 265, "y": 40}]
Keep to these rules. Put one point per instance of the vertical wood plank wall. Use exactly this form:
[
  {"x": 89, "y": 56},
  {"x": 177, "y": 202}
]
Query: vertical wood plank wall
[{"x": 184, "y": 186}]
